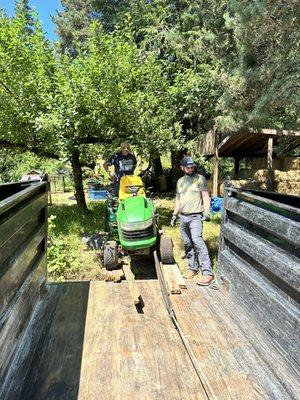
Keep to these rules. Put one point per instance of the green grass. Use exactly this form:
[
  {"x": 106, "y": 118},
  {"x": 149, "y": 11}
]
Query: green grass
[{"x": 70, "y": 259}]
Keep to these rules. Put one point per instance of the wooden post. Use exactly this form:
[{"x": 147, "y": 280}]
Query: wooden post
[
  {"x": 236, "y": 166},
  {"x": 64, "y": 184},
  {"x": 216, "y": 166},
  {"x": 49, "y": 189},
  {"x": 270, "y": 164}
]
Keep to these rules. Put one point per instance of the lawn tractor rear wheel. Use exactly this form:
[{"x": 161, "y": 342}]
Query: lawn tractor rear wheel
[
  {"x": 110, "y": 255},
  {"x": 166, "y": 250}
]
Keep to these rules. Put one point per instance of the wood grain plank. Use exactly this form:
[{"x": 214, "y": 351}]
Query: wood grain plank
[
  {"x": 276, "y": 314},
  {"x": 18, "y": 192},
  {"x": 15, "y": 270},
  {"x": 170, "y": 279},
  {"x": 100, "y": 367},
  {"x": 265, "y": 360},
  {"x": 235, "y": 368},
  {"x": 271, "y": 222},
  {"x": 23, "y": 365},
  {"x": 9, "y": 226},
  {"x": 55, "y": 371},
  {"x": 129, "y": 276},
  {"x": 133, "y": 356},
  {"x": 15, "y": 241},
  {"x": 180, "y": 279},
  {"x": 277, "y": 261},
  {"x": 14, "y": 321}
]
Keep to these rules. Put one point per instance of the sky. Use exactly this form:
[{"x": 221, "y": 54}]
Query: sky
[{"x": 44, "y": 8}]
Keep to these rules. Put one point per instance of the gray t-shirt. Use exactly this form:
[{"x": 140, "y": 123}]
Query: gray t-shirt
[{"x": 189, "y": 189}]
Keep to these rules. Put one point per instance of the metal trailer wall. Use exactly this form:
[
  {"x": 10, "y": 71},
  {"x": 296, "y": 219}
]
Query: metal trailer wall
[
  {"x": 23, "y": 243},
  {"x": 259, "y": 262}
]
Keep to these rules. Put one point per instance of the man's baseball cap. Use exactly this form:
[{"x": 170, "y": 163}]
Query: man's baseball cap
[{"x": 187, "y": 162}]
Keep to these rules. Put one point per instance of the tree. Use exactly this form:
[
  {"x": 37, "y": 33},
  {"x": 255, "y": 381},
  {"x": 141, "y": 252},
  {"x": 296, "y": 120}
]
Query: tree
[
  {"x": 23, "y": 9},
  {"x": 262, "y": 87},
  {"x": 59, "y": 103},
  {"x": 73, "y": 24},
  {"x": 183, "y": 37}
]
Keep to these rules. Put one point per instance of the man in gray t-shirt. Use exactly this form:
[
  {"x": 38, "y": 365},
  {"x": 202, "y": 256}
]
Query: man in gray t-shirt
[{"x": 193, "y": 205}]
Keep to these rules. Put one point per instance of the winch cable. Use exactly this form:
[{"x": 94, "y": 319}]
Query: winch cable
[{"x": 210, "y": 395}]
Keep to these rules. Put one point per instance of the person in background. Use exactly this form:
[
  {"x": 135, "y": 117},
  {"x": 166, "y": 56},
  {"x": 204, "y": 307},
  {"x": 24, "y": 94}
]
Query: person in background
[
  {"x": 123, "y": 162},
  {"x": 192, "y": 204}
]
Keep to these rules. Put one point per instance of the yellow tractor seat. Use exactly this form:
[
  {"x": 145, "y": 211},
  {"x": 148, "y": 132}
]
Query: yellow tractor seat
[{"x": 131, "y": 185}]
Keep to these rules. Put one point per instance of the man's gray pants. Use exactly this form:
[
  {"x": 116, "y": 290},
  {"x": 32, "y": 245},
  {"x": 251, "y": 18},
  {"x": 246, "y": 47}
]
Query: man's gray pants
[{"x": 195, "y": 248}]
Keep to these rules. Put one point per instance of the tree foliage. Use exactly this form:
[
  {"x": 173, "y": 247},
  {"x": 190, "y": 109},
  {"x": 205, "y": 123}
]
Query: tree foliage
[
  {"x": 261, "y": 89},
  {"x": 157, "y": 73},
  {"x": 53, "y": 103}
]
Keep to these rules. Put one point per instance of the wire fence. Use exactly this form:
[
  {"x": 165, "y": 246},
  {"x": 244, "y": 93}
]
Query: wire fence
[{"x": 60, "y": 183}]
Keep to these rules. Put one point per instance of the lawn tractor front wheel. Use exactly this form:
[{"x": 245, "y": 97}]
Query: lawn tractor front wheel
[
  {"x": 110, "y": 255},
  {"x": 166, "y": 249}
]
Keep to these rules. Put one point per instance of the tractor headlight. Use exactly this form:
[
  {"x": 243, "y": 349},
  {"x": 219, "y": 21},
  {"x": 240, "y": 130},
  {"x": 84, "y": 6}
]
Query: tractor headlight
[{"x": 136, "y": 226}]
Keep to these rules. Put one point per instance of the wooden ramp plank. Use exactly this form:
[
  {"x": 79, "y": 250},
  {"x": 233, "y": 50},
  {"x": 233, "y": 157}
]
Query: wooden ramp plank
[
  {"x": 170, "y": 279},
  {"x": 238, "y": 360},
  {"x": 180, "y": 279},
  {"x": 130, "y": 279}
]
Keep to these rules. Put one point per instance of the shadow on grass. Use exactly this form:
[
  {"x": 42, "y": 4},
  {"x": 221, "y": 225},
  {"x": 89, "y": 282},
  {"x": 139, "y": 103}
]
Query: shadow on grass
[
  {"x": 69, "y": 219},
  {"x": 143, "y": 267}
]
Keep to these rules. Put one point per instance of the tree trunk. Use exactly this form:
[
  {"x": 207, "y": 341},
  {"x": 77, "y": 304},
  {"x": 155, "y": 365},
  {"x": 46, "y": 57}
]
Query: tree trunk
[
  {"x": 77, "y": 176},
  {"x": 176, "y": 157},
  {"x": 157, "y": 165}
]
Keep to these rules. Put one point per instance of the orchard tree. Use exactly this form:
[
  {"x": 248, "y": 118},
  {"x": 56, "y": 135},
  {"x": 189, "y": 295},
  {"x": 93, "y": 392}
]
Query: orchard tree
[
  {"x": 53, "y": 104},
  {"x": 110, "y": 93}
]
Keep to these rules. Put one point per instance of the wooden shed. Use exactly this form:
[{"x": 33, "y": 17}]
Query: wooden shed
[{"x": 246, "y": 142}]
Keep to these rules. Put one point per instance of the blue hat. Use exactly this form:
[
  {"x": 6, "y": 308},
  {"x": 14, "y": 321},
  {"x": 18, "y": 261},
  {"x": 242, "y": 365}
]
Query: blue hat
[{"x": 188, "y": 162}]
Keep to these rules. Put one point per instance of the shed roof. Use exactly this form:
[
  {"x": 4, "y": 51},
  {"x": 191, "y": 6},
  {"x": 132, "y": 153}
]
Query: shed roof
[{"x": 245, "y": 142}]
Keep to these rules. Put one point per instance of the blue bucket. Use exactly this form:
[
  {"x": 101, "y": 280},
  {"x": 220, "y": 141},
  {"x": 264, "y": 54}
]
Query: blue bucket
[
  {"x": 216, "y": 205},
  {"x": 97, "y": 194}
]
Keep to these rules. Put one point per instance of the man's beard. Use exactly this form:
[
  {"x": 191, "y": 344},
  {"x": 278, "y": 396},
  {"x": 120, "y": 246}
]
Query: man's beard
[{"x": 189, "y": 173}]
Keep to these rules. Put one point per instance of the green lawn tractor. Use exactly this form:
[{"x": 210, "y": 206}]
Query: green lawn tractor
[{"x": 133, "y": 220}]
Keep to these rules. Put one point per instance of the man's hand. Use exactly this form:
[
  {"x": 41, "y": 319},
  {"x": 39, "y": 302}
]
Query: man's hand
[
  {"x": 173, "y": 220},
  {"x": 205, "y": 217}
]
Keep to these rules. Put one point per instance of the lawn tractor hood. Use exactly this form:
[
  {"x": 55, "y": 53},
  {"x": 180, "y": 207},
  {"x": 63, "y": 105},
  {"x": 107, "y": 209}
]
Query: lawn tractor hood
[
  {"x": 136, "y": 223},
  {"x": 135, "y": 213}
]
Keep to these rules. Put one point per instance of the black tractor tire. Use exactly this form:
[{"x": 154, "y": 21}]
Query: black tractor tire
[
  {"x": 166, "y": 250},
  {"x": 110, "y": 255}
]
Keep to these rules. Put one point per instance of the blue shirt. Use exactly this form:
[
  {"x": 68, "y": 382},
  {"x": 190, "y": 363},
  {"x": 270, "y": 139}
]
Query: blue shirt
[{"x": 124, "y": 165}]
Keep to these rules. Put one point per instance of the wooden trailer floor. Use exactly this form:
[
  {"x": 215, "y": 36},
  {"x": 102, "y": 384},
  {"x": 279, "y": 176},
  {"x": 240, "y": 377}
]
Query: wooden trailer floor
[
  {"x": 97, "y": 346},
  {"x": 234, "y": 353}
]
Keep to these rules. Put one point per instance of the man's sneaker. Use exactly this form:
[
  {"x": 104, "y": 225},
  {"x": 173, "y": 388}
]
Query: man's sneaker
[
  {"x": 191, "y": 274},
  {"x": 205, "y": 280}
]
